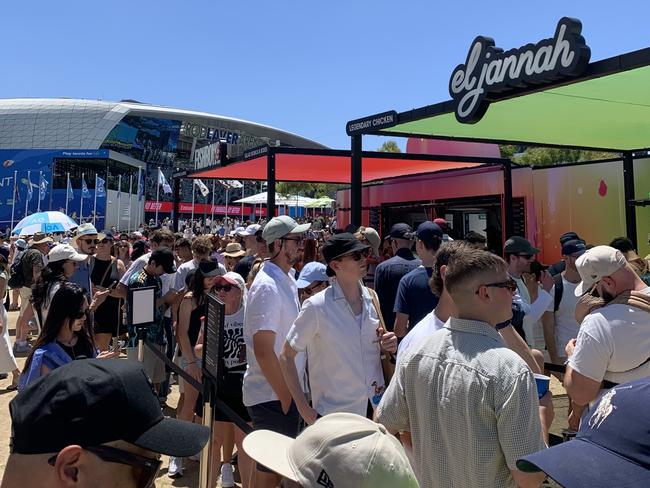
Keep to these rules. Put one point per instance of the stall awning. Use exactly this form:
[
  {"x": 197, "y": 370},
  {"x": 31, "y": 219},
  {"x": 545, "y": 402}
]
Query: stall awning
[
  {"x": 330, "y": 166},
  {"x": 607, "y": 108}
]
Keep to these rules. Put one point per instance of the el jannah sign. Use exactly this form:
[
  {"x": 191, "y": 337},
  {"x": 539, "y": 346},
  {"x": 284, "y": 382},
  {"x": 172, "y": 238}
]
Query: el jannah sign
[{"x": 490, "y": 74}]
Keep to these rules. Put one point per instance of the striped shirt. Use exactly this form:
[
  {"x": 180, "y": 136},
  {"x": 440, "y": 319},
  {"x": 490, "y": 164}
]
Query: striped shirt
[{"x": 470, "y": 404}]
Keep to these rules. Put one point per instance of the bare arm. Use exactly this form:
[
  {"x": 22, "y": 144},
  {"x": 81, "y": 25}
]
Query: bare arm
[
  {"x": 263, "y": 347},
  {"x": 514, "y": 341},
  {"x": 580, "y": 388},
  {"x": 401, "y": 324},
  {"x": 290, "y": 373},
  {"x": 548, "y": 323},
  {"x": 527, "y": 480}
]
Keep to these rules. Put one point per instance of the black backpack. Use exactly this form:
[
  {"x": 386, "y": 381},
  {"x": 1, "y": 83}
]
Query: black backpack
[
  {"x": 559, "y": 290},
  {"x": 16, "y": 278}
]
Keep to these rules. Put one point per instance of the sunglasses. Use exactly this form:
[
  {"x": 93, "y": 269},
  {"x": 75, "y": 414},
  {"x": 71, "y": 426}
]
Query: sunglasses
[
  {"x": 225, "y": 288},
  {"x": 526, "y": 256},
  {"x": 106, "y": 241},
  {"x": 297, "y": 240},
  {"x": 81, "y": 314},
  {"x": 509, "y": 284},
  {"x": 144, "y": 468},
  {"x": 311, "y": 289},
  {"x": 358, "y": 255},
  {"x": 91, "y": 241}
]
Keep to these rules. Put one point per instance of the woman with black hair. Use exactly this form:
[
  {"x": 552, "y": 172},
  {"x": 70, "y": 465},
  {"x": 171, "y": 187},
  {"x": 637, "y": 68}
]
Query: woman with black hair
[
  {"x": 7, "y": 359},
  {"x": 65, "y": 336}
]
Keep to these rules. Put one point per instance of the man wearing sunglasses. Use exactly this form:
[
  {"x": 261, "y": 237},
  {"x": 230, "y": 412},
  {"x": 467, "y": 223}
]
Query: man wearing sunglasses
[
  {"x": 105, "y": 429},
  {"x": 86, "y": 241},
  {"x": 339, "y": 328},
  {"x": 468, "y": 401},
  {"x": 272, "y": 307}
]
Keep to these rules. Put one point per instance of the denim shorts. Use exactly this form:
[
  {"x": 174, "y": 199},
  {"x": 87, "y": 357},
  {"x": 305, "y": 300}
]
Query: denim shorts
[{"x": 269, "y": 416}]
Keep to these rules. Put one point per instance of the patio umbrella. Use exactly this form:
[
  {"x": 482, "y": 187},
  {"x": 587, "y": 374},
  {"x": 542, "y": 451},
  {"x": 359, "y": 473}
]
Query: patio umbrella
[{"x": 47, "y": 222}]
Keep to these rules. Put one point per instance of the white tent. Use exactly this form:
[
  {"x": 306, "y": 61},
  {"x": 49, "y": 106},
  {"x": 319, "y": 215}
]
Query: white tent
[{"x": 288, "y": 200}]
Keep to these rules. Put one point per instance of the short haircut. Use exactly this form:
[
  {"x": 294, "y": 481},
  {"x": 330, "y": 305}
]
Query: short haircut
[
  {"x": 202, "y": 245},
  {"x": 470, "y": 264},
  {"x": 475, "y": 238},
  {"x": 183, "y": 242},
  {"x": 623, "y": 244},
  {"x": 447, "y": 252},
  {"x": 160, "y": 235}
]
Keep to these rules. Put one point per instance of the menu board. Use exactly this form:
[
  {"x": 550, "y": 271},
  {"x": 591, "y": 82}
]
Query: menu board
[{"x": 213, "y": 345}]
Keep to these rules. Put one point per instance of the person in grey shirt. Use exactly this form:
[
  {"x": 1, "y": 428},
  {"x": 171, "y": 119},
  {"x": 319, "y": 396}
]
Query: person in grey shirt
[{"x": 469, "y": 402}]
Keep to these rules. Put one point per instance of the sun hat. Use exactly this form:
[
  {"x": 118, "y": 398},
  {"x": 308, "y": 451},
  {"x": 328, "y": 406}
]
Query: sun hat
[
  {"x": 88, "y": 229},
  {"x": 75, "y": 405},
  {"x": 372, "y": 236},
  {"x": 595, "y": 264},
  {"x": 279, "y": 227},
  {"x": 311, "y": 272},
  {"x": 61, "y": 252},
  {"x": 612, "y": 447},
  {"x": 234, "y": 250},
  {"x": 40, "y": 238},
  {"x": 340, "y": 450},
  {"x": 340, "y": 245}
]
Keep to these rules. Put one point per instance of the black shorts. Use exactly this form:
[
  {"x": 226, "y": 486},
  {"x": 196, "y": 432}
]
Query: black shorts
[
  {"x": 230, "y": 393},
  {"x": 269, "y": 416}
]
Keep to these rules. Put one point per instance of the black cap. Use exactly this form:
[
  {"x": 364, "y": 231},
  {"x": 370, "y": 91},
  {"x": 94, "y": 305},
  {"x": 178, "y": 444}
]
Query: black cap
[
  {"x": 339, "y": 245},
  {"x": 210, "y": 268},
  {"x": 108, "y": 234},
  {"x": 94, "y": 401},
  {"x": 574, "y": 247},
  {"x": 401, "y": 231},
  {"x": 519, "y": 245},
  {"x": 427, "y": 231},
  {"x": 568, "y": 236},
  {"x": 164, "y": 257},
  {"x": 140, "y": 245}
]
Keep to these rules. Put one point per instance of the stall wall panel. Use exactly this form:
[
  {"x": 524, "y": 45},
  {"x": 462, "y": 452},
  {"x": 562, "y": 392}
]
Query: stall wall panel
[
  {"x": 587, "y": 199},
  {"x": 642, "y": 190}
]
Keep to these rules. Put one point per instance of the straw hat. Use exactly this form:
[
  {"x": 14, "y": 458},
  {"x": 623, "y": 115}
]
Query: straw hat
[{"x": 234, "y": 250}]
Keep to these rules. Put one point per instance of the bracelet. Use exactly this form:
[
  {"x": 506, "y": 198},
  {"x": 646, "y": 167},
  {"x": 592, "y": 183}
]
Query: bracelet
[{"x": 193, "y": 362}]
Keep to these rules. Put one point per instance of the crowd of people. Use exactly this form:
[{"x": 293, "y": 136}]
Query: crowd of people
[{"x": 418, "y": 359}]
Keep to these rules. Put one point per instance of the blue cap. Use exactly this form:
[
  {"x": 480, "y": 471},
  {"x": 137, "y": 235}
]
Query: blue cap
[
  {"x": 612, "y": 447},
  {"x": 311, "y": 272},
  {"x": 574, "y": 247},
  {"x": 401, "y": 231},
  {"x": 427, "y": 231}
]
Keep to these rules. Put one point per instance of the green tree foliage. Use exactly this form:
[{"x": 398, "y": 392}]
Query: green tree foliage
[
  {"x": 549, "y": 156},
  {"x": 312, "y": 190},
  {"x": 389, "y": 146}
]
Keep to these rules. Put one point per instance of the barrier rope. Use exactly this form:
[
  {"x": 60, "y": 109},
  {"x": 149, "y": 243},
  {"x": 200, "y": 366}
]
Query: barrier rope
[{"x": 225, "y": 409}]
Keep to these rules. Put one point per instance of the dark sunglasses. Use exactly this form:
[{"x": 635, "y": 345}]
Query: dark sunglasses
[
  {"x": 144, "y": 468},
  {"x": 106, "y": 241},
  {"x": 509, "y": 284},
  {"x": 358, "y": 255},
  {"x": 526, "y": 256},
  {"x": 81, "y": 314},
  {"x": 225, "y": 288},
  {"x": 91, "y": 241},
  {"x": 298, "y": 240}
]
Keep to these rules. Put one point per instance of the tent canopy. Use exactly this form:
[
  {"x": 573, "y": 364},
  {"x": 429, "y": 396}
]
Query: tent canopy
[
  {"x": 332, "y": 166},
  {"x": 606, "y": 108},
  {"x": 291, "y": 200}
]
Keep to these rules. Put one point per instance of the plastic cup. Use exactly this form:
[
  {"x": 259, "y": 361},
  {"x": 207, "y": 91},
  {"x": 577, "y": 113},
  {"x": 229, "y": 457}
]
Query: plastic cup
[{"x": 542, "y": 382}]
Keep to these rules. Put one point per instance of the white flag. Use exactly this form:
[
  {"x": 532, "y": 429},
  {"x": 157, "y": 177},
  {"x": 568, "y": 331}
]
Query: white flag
[
  {"x": 202, "y": 188},
  {"x": 235, "y": 183},
  {"x": 163, "y": 181}
]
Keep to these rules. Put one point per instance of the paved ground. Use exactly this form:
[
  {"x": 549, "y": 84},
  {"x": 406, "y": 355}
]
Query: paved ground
[{"x": 191, "y": 477}]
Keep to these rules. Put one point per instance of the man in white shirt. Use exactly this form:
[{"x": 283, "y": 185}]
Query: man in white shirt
[
  {"x": 271, "y": 308},
  {"x": 338, "y": 328},
  {"x": 614, "y": 340},
  {"x": 201, "y": 249}
]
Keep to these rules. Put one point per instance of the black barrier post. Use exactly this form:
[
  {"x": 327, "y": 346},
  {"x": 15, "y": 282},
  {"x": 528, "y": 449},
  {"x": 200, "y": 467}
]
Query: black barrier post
[
  {"x": 628, "y": 189},
  {"x": 507, "y": 199},
  {"x": 142, "y": 335},
  {"x": 270, "y": 184},
  {"x": 356, "y": 179}
]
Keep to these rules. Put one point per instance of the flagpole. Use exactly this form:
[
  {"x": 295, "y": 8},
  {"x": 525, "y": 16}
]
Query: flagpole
[
  {"x": 192, "y": 219},
  {"x": 67, "y": 187},
  {"x": 243, "y": 183},
  {"x": 130, "y": 197},
  {"x": 81, "y": 204},
  {"x": 157, "y": 196},
  {"x": 139, "y": 215},
  {"x": 226, "y": 202},
  {"x": 119, "y": 202},
  {"x": 29, "y": 182},
  {"x": 212, "y": 216},
  {"x": 13, "y": 200},
  {"x": 95, "y": 202},
  {"x": 40, "y": 188}
]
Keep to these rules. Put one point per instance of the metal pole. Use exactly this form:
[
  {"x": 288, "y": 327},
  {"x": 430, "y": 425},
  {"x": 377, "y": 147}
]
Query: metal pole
[
  {"x": 136, "y": 226},
  {"x": 176, "y": 204},
  {"x": 270, "y": 184},
  {"x": 130, "y": 197},
  {"x": 243, "y": 183},
  {"x": 157, "y": 195},
  {"x": 628, "y": 188},
  {"x": 212, "y": 209},
  {"x": 81, "y": 203},
  {"x": 226, "y": 202},
  {"x": 40, "y": 188},
  {"x": 119, "y": 204},
  {"x": 95, "y": 202},
  {"x": 13, "y": 200},
  {"x": 192, "y": 220},
  {"x": 507, "y": 199},
  {"x": 29, "y": 182},
  {"x": 356, "y": 180}
]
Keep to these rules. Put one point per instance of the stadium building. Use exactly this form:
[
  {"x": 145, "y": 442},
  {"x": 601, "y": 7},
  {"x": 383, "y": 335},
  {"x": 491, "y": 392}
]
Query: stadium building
[{"x": 104, "y": 148}]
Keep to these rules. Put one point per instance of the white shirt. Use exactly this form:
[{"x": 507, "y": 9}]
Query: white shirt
[
  {"x": 613, "y": 338},
  {"x": 423, "y": 329},
  {"x": 566, "y": 326},
  {"x": 533, "y": 311},
  {"x": 344, "y": 359},
  {"x": 272, "y": 305},
  {"x": 136, "y": 266}
]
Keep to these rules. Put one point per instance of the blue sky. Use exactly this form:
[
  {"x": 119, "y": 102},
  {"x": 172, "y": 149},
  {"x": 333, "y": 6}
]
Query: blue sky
[{"x": 306, "y": 67}]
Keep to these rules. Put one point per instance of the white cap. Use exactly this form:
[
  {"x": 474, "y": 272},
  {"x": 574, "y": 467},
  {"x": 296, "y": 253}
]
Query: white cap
[
  {"x": 234, "y": 279},
  {"x": 88, "y": 229},
  {"x": 237, "y": 231},
  {"x": 342, "y": 450},
  {"x": 278, "y": 227},
  {"x": 61, "y": 252},
  {"x": 250, "y": 230},
  {"x": 595, "y": 264}
]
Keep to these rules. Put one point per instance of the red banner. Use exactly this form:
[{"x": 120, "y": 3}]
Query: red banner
[{"x": 200, "y": 208}]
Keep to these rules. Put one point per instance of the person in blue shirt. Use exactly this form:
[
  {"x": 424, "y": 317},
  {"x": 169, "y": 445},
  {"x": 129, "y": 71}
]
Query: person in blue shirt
[
  {"x": 389, "y": 273},
  {"x": 86, "y": 242},
  {"x": 414, "y": 299}
]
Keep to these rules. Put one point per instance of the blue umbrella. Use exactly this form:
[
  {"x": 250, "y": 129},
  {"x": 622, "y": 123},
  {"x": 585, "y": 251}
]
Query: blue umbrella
[{"x": 47, "y": 222}]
